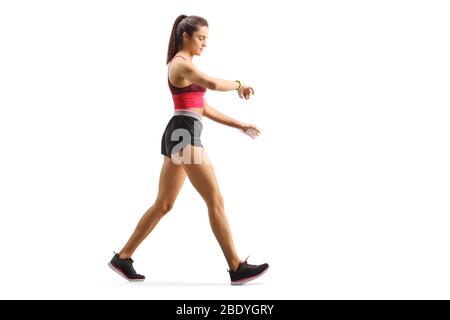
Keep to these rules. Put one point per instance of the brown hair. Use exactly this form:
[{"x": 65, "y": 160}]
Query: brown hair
[{"x": 183, "y": 23}]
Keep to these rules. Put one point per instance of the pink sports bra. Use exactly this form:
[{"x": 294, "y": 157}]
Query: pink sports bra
[{"x": 190, "y": 96}]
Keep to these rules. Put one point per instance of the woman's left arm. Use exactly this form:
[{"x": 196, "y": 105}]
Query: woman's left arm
[{"x": 219, "y": 117}]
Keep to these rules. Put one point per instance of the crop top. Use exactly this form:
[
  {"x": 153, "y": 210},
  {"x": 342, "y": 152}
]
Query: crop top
[{"x": 190, "y": 96}]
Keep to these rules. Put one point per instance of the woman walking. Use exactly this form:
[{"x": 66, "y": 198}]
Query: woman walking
[{"x": 184, "y": 154}]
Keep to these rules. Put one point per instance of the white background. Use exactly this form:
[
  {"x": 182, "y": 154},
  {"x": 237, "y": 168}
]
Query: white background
[{"x": 345, "y": 194}]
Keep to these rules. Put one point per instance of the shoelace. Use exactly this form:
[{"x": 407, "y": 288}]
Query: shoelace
[
  {"x": 248, "y": 264},
  {"x": 127, "y": 259},
  {"x": 243, "y": 263}
]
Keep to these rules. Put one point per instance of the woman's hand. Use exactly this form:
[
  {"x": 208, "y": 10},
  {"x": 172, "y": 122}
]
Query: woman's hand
[
  {"x": 245, "y": 91},
  {"x": 250, "y": 130}
]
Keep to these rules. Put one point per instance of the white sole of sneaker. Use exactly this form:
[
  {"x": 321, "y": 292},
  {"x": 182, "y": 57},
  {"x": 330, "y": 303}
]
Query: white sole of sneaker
[
  {"x": 120, "y": 272},
  {"x": 239, "y": 282}
]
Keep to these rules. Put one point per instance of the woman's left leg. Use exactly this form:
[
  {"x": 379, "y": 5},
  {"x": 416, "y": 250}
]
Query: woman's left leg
[{"x": 171, "y": 180}]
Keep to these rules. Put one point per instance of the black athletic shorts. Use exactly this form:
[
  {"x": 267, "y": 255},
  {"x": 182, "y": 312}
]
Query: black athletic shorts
[{"x": 184, "y": 128}]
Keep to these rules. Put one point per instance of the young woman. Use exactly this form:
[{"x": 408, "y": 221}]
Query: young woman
[{"x": 186, "y": 156}]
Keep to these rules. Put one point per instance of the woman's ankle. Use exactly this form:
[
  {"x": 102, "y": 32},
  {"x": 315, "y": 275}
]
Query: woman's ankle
[
  {"x": 123, "y": 255},
  {"x": 234, "y": 265}
]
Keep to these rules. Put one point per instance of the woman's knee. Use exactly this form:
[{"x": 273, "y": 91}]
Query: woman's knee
[
  {"x": 215, "y": 201},
  {"x": 163, "y": 207}
]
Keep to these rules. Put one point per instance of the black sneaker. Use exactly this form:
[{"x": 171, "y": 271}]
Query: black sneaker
[
  {"x": 247, "y": 272},
  {"x": 124, "y": 267}
]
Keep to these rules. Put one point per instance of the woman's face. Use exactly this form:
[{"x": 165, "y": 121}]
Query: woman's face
[{"x": 198, "y": 41}]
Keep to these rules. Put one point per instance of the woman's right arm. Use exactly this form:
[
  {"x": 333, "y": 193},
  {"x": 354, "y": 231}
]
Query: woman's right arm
[{"x": 192, "y": 74}]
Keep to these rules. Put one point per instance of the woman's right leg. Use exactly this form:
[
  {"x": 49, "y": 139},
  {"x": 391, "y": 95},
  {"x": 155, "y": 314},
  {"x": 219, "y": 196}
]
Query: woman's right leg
[
  {"x": 201, "y": 174},
  {"x": 170, "y": 182}
]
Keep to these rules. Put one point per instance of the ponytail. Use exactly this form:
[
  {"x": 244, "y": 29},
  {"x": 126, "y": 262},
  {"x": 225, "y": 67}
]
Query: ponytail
[{"x": 174, "y": 42}]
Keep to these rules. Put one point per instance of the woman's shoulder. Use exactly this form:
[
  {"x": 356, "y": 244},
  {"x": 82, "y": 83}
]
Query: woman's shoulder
[
  {"x": 178, "y": 59},
  {"x": 177, "y": 70},
  {"x": 180, "y": 67},
  {"x": 180, "y": 64}
]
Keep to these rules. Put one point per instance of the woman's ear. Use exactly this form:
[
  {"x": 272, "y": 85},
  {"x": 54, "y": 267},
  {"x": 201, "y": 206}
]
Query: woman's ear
[{"x": 185, "y": 36}]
